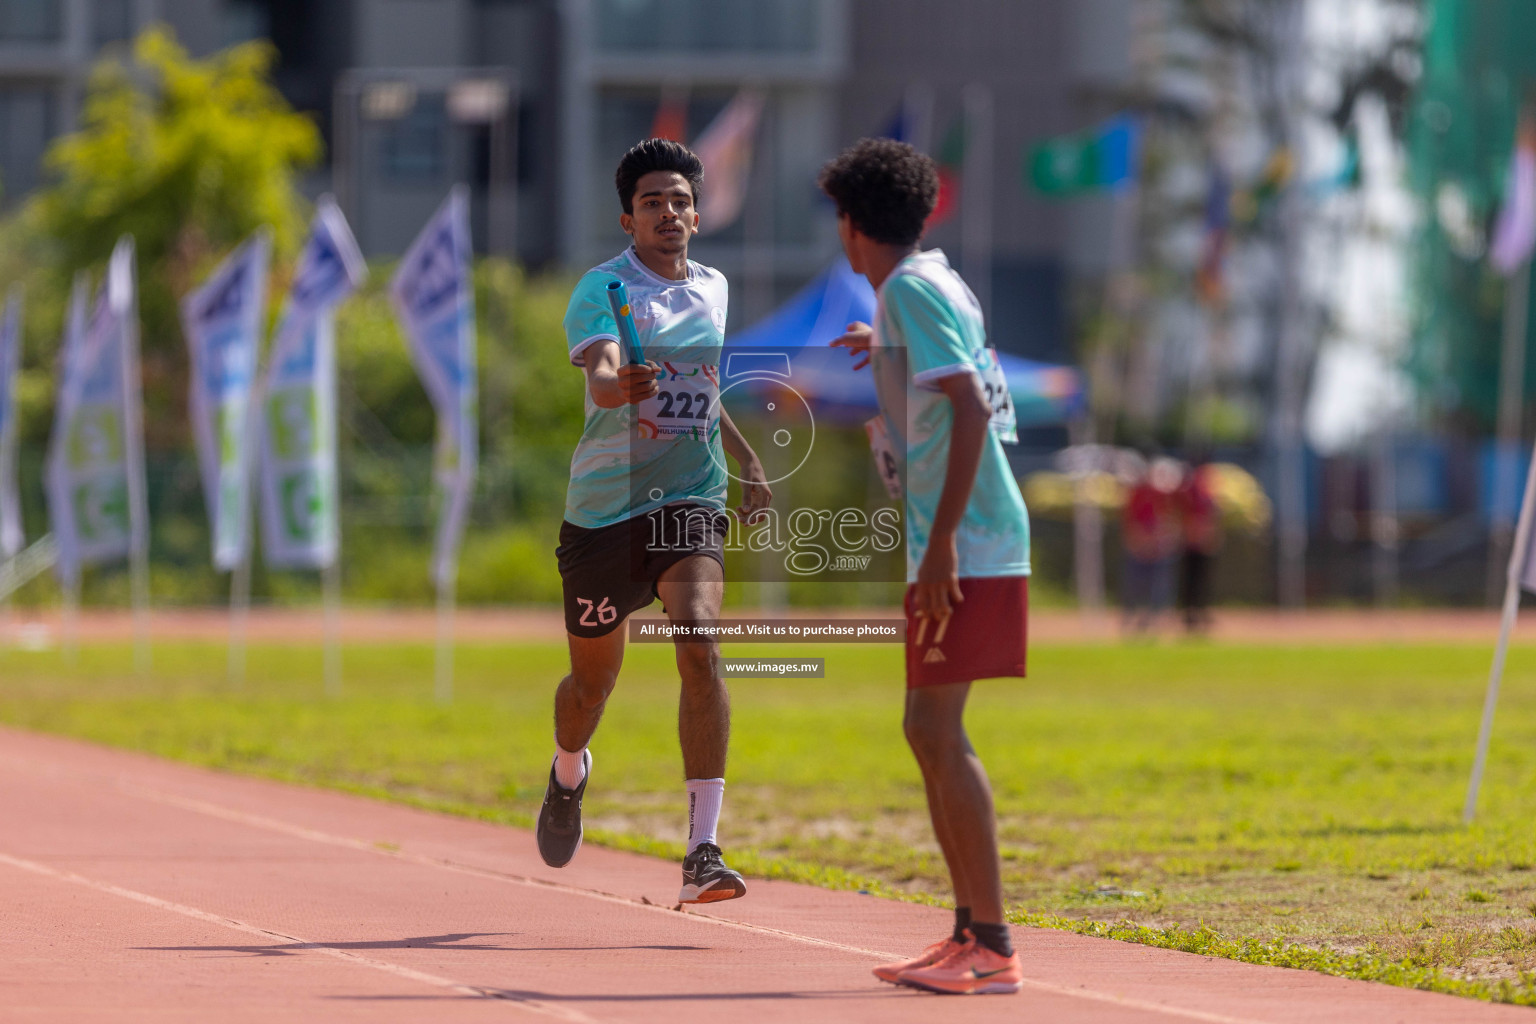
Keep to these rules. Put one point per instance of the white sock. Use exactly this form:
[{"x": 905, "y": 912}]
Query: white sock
[
  {"x": 704, "y": 799},
  {"x": 570, "y": 768}
]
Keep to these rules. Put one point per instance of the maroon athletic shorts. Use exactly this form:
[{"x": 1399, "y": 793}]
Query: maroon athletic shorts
[{"x": 984, "y": 637}]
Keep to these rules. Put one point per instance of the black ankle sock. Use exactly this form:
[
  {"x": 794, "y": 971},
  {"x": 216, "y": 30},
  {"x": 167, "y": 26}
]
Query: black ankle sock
[
  {"x": 994, "y": 937},
  {"x": 962, "y": 922}
]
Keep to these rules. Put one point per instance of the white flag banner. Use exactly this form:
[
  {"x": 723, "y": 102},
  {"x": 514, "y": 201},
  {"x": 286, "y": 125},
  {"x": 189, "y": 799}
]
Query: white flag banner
[
  {"x": 299, "y": 524},
  {"x": 12, "y": 536},
  {"x": 434, "y": 297},
  {"x": 96, "y": 455},
  {"x": 223, "y": 321}
]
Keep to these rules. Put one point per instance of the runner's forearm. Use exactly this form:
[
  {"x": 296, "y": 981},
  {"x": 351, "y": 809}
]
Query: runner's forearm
[
  {"x": 735, "y": 444},
  {"x": 965, "y": 445}
]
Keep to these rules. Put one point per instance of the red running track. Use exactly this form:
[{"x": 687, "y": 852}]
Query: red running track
[{"x": 141, "y": 890}]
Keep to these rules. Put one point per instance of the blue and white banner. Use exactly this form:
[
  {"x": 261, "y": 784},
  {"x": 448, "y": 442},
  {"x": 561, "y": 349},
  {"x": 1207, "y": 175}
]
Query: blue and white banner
[
  {"x": 299, "y": 524},
  {"x": 96, "y": 490},
  {"x": 223, "y": 321},
  {"x": 12, "y": 536},
  {"x": 434, "y": 298}
]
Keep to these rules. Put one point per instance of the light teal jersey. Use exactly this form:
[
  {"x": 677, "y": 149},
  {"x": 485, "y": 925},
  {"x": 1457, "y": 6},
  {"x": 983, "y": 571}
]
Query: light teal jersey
[
  {"x": 928, "y": 326},
  {"x": 633, "y": 459}
]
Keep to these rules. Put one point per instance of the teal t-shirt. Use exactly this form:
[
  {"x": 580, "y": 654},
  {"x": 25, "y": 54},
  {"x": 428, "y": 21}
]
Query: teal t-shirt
[
  {"x": 928, "y": 326},
  {"x": 633, "y": 459}
]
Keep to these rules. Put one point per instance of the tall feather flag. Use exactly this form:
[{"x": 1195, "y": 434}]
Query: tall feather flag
[
  {"x": 12, "y": 536},
  {"x": 1514, "y": 235},
  {"x": 224, "y": 321},
  {"x": 95, "y": 471},
  {"x": 725, "y": 148},
  {"x": 434, "y": 299},
  {"x": 299, "y": 517}
]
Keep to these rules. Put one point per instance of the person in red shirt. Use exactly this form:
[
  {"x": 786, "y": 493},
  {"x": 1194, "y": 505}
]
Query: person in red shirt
[
  {"x": 1149, "y": 529},
  {"x": 1200, "y": 518}
]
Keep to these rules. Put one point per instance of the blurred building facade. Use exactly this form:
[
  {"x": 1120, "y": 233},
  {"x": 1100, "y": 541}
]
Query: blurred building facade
[
  {"x": 46, "y": 51},
  {"x": 532, "y": 101}
]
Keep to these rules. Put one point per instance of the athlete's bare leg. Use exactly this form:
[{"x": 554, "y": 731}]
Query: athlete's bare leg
[
  {"x": 692, "y": 590},
  {"x": 959, "y": 796},
  {"x": 582, "y": 695}
]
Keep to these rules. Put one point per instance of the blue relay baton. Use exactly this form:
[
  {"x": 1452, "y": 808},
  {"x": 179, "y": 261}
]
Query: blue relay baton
[{"x": 629, "y": 338}]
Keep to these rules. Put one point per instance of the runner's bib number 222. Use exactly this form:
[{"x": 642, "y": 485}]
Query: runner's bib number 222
[{"x": 686, "y": 404}]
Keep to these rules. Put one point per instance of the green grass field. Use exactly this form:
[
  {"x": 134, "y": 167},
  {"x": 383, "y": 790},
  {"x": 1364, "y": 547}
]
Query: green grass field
[{"x": 1286, "y": 805}]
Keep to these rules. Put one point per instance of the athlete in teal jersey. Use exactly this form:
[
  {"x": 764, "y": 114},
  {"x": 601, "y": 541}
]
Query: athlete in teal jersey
[
  {"x": 681, "y": 325},
  {"x": 927, "y": 313},
  {"x": 646, "y": 502},
  {"x": 945, "y": 405}
]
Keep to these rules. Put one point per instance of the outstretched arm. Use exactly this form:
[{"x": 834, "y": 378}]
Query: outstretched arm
[
  {"x": 857, "y": 339},
  {"x": 613, "y": 385}
]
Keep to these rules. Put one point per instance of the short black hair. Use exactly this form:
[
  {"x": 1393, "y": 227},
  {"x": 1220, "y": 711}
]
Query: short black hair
[
  {"x": 656, "y": 155},
  {"x": 886, "y": 188}
]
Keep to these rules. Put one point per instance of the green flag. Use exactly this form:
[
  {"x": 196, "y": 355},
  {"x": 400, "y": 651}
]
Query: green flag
[{"x": 1100, "y": 159}]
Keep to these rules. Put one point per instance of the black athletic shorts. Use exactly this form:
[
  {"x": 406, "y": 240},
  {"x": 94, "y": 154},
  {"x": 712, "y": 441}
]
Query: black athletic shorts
[{"x": 611, "y": 572}]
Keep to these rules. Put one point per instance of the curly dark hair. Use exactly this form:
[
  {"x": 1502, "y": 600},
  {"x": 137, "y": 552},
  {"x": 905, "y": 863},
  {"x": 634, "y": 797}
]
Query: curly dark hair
[
  {"x": 656, "y": 155},
  {"x": 886, "y": 188}
]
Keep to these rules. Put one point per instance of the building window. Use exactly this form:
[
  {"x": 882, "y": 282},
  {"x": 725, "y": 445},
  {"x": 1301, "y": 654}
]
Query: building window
[
  {"x": 414, "y": 147},
  {"x": 707, "y": 26},
  {"x": 240, "y": 21},
  {"x": 112, "y": 21},
  {"x": 31, "y": 21},
  {"x": 26, "y": 126}
]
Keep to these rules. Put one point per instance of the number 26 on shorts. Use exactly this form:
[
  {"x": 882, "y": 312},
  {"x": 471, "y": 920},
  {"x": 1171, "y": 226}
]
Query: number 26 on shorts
[{"x": 604, "y": 611}]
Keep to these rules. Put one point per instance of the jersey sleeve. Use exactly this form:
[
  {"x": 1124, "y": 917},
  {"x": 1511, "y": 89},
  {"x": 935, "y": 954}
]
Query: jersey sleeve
[
  {"x": 588, "y": 318},
  {"x": 924, "y": 321}
]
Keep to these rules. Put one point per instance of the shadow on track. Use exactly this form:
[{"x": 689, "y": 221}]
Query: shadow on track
[{"x": 454, "y": 940}]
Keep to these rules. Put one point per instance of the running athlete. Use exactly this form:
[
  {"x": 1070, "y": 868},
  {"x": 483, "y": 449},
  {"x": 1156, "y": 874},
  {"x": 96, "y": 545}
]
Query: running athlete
[
  {"x": 945, "y": 405},
  {"x": 645, "y": 509}
]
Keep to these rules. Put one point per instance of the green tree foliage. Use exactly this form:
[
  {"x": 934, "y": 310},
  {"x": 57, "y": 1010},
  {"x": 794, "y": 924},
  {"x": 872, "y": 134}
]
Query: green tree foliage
[{"x": 189, "y": 157}]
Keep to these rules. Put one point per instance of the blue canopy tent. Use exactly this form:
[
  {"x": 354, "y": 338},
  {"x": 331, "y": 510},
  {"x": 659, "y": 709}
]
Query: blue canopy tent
[{"x": 1043, "y": 393}]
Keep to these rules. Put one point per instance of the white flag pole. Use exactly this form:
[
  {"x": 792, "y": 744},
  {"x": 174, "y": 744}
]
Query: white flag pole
[
  {"x": 12, "y": 536},
  {"x": 445, "y": 610},
  {"x": 433, "y": 296},
  {"x": 976, "y": 209},
  {"x": 240, "y": 577},
  {"x": 330, "y": 587},
  {"x": 239, "y": 613},
  {"x": 71, "y": 623},
  {"x": 133, "y": 422},
  {"x": 1512, "y": 584},
  {"x": 1507, "y": 432}
]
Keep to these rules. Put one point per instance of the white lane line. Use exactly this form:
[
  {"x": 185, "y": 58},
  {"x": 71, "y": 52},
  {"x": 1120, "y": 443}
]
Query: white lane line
[
  {"x": 411, "y": 974},
  {"x": 314, "y": 835}
]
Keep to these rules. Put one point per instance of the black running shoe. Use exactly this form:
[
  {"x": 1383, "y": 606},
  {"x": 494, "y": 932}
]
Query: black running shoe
[
  {"x": 559, "y": 831},
  {"x": 706, "y": 879}
]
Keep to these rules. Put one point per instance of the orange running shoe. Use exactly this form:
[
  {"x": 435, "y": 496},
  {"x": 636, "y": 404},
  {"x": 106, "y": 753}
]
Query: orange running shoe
[
  {"x": 972, "y": 970},
  {"x": 941, "y": 950}
]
